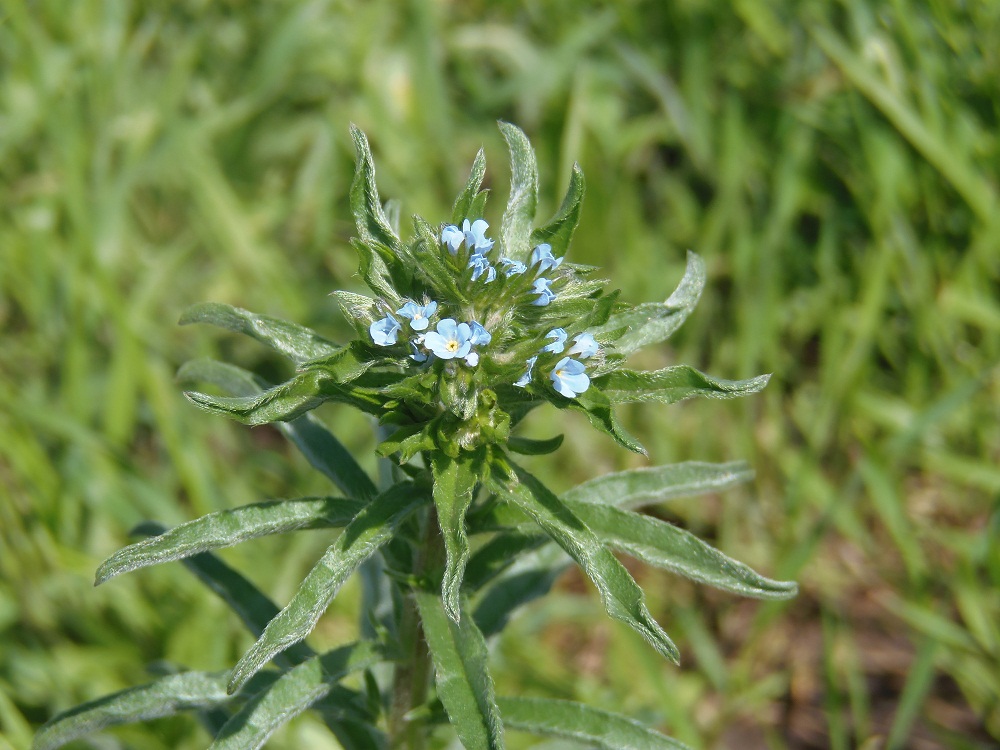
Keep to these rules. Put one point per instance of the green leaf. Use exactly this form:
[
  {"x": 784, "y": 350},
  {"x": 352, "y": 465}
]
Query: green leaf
[
  {"x": 225, "y": 528},
  {"x": 454, "y": 482},
  {"x": 462, "y": 677},
  {"x": 597, "y": 406},
  {"x": 358, "y": 310},
  {"x": 467, "y": 198},
  {"x": 672, "y": 384},
  {"x": 559, "y": 230},
  {"x": 291, "y": 694},
  {"x": 575, "y": 721},
  {"x": 666, "y": 546},
  {"x": 621, "y": 595},
  {"x": 372, "y": 528},
  {"x": 324, "y": 452},
  {"x": 515, "y": 227},
  {"x": 657, "y": 484},
  {"x": 294, "y": 341},
  {"x": 653, "y": 322},
  {"x": 166, "y": 696},
  {"x": 371, "y": 221},
  {"x": 528, "y": 447},
  {"x": 408, "y": 441}
]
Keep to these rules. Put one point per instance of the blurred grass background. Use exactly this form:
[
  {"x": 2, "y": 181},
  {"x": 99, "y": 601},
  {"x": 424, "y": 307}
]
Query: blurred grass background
[{"x": 836, "y": 163}]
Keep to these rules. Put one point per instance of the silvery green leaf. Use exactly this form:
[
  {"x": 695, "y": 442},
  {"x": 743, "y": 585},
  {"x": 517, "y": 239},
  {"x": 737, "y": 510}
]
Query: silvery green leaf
[
  {"x": 369, "y": 217},
  {"x": 653, "y": 322},
  {"x": 294, "y": 341},
  {"x": 357, "y": 309},
  {"x": 369, "y": 530},
  {"x": 462, "y": 678},
  {"x": 466, "y": 199},
  {"x": 225, "y": 528},
  {"x": 454, "y": 483},
  {"x": 672, "y": 384},
  {"x": 515, "y": 228},
  {"x": 559, "y": 230},
  {"x": 621, "y": 595},
  {"x": 292, "y": 693},
  {"x": 575, "y": 721}
]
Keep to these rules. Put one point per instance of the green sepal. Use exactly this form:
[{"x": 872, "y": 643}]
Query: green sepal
[
  {"x": 455, "y": 481},
  {"x": 529, "y": 447},
  {"x": 294, "y": 341},
  {"x": 672, "y": 384},
  {"x": 559, "y": 230},
  {"x": 458, "y": 393},
  {"x": 515, "y": 227},
  {"x": 466, "y": 199}
]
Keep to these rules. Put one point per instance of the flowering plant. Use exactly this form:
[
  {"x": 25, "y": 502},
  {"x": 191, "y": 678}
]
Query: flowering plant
[{"x": 464, "y": 336}]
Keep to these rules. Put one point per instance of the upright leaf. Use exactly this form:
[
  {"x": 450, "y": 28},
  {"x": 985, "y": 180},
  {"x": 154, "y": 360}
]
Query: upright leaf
[
  {"x": 454, "y": 482},
  {"x": 372, "y": 528},
  {"x": 673, "y": 384},
  {"x": 369, "y": 217},
  {"x": 559, "y": 230},
  {"x": 294, "y": 341},
  {"x": 515, "y": 231},
  {"x": 462, "y": 677},
  {"x": 621, "y": 595},
  {"x": 466, "y": 199}
]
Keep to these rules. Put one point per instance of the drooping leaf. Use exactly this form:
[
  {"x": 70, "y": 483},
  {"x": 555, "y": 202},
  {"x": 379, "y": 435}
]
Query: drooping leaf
[
  {"x": 664, "y": 545},
  {"x": 294, "y": 341},
  {"x": 466, "y": 199},
  {"x": 559, "y": 230},
  {"x": 515, "y": 229},
  {"x": 529, "y": 447},
  {"x": 653, "y": 322},
  {"x": 323, "y": 451},
  {"x": 645, "y": 486},
  {"x": 621, "y": 595},
  {"x": 166, "y": 696},
  {"x": 575, "y": 721},
  {"x": 597, "y": 406},
  {"x": 291, "y": 694},
  {"x": 370, "y": 529},
  {"x": 454, "y": 482},
  {"x": 369, "y": 217},
  {"x": 225, "y": 528},
  {"x": 672, "y": 384},
  {"x": 462, "y": 678}
]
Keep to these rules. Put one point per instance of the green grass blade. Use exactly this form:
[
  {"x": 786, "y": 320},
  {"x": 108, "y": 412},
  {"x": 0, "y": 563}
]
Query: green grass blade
[
  {"x": 226, "y": 528},
  {"x": 454, "y": 482},
  {"x": 575, "y": 721},
  {"x": 291, "y": 694},
  {"x": 463, "y": 681},
  {"x": 673, "y": 384},
  {"x": 294, "y": 341},
  {"x": 621, "y": 595},
  {"x": 372, "y": 528},
  {"x": 515, "y": 232}
]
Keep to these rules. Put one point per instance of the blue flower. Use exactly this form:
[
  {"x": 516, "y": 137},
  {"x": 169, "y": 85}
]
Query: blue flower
[
  {"x": 584, "y": 346},
  {"x": 450, "y": 341},
  {"x": 522, "y": 381},
  {"x": 543, "y": 258},
  {"x": 417, "y": 356},
  {"x": 480, "y": 265},
  {"x": 512, "y": 267},
  {"x": 475, "y": 236},
  {"x": 452, "y": 237},
  {"x": 480, "y": 336},
  {"x": 418, "y": 314},
  {"x": 569, "y": 377},
  {"x": 559, "y": 334},
  {"x": 472, "y": 359},
  {"x": 545, "y": 295},
  {"x": 384, "y": 331}
]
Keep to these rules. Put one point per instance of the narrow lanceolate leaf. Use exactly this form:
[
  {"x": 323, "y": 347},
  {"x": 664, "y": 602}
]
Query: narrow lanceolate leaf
[
  {"x": 575, "y": 721},
  {"x": 673, "y": 384},
  {"x": 166, "y": 696},
  {"x": 323, "y": 451},
  {"x": 664, "y": 545},
  {"x": 657, "y": 484},
  {"x": 597, "y": 406},
  {"x": 228, "y": 527},
  {"x": 291, "y": 694},
  {"x": 462, "y": 678},
  {"x": 372, "y": 528},
  {"x": 515, "y": 231},
  {"x": 559, "y": 230},
  {"x": 294, "y": 341},
  {"x": 529, "y": 447},
  {"x": 530, "y": 577},
  {"x": 371, "y": 221},
  {"x": 466, "y": 199},
  {"x": 653, "y": 322},
  {"x": 454, "y": 482},
  {"x": 621, "y": 595}
]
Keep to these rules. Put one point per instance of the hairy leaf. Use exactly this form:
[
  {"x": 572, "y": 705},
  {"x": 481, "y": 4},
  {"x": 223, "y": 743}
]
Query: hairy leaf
[
  {"x": 529, "y": 447},
  {"x": 294, "y": 341},
  {"x": 515, "y": 231},
  {"x": 372, "y": 528},
  {"x": 559, "y": 230},
  {"x": 454, "y": 482},
  {"x": 466, "y": 199},
  {"x": 597, "y": 406},
  {"x": 673, "y": 384},
  {"x": 369, "y": 217},
  {"x": 462, "y": 677}
]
